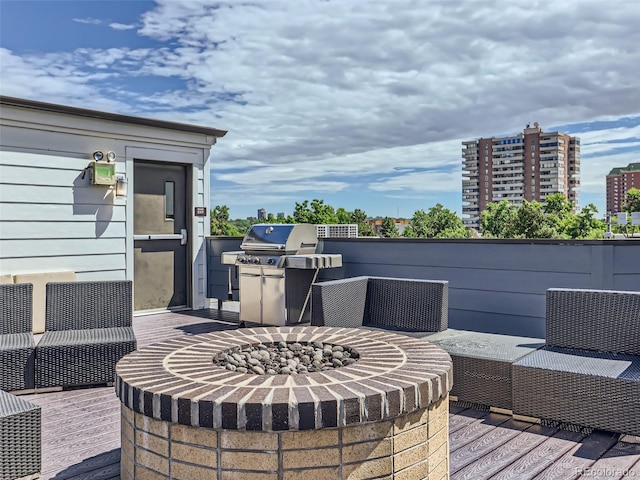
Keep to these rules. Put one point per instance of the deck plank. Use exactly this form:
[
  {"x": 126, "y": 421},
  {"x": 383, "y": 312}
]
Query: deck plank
[
  {"x": 475, "y": 430},
  {"x": 81, "y": 428},
  {"x": 483, "y": 446},
  {"x": 464, "y": 418},
  {"x": 494, "y": 460},
  {"x": 541, "y": 457},
  {"x": 102, "y": 466},
  {"x": 633, "y": 472},
  {"x": 571, "y": 465},
  {"x": 617, "y": 463}
]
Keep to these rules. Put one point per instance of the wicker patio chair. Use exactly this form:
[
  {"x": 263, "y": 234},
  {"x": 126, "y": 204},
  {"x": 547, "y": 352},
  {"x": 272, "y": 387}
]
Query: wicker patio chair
[
  {"x": 381, "y": 302},
  {"x": 88, "y": 328},
  {"x": 589, "y": 371},
  {"x": 16, "y": 341},
  {"x": 20, "y": 438}
]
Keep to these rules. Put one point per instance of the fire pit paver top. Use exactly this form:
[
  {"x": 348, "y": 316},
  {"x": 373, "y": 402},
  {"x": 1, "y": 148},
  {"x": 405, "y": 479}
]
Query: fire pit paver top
[{"x": 176, "y": 381}]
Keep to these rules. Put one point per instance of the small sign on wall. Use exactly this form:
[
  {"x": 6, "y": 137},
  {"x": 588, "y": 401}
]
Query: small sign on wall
[{"x": 201, "y": 211}]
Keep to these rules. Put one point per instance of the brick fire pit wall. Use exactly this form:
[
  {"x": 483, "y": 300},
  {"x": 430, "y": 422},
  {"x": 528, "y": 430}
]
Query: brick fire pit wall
[{"x": 386, "y": 416}]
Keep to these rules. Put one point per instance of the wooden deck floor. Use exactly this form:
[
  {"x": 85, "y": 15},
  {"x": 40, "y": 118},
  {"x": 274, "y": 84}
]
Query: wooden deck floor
[{"x": 81, "y": 429}]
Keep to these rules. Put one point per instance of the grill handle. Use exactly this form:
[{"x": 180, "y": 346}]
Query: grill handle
[{"x": 262, "y": 246}]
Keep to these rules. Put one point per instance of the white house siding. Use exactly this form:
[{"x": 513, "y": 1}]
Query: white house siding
[{"x": 52, "y": 219}]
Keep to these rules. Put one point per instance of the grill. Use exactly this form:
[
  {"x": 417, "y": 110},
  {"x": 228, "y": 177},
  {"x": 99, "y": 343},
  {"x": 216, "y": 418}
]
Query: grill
[{"x": 277, "y": 265}]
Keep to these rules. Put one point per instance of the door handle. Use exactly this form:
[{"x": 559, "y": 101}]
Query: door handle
[{"x": 182, "y": 236}]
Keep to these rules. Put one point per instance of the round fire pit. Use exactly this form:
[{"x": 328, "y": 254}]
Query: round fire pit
[{"x": 384, "y": 414}]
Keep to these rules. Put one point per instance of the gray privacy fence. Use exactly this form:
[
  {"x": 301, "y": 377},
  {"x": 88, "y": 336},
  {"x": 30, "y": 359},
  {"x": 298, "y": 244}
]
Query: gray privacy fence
[{"x": 495, "y": 286}]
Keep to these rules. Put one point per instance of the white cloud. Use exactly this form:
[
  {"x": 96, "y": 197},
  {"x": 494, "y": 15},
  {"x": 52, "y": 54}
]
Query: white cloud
[
  {"x": 603, "y": 150},
  {"x": 88, "y": 21},
  {"x": 424, "y": 182},
  {"x": 325, "y": 94},
  {"x": 599, "y": 137},
  {"x": 121, "y": 26}
]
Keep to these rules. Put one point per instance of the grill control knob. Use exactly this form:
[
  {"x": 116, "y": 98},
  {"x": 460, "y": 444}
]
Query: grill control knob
[
  {"x": 255, "y": 260},
  {"x": 271, "y": 261}
]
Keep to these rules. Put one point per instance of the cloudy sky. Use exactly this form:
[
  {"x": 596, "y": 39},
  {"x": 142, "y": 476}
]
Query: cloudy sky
[{"x": 361, "y": 103}]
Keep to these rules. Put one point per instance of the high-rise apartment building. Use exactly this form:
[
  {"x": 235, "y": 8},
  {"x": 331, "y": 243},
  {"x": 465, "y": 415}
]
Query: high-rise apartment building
[
  {"x": 619, "y": 182},
  {"x": 530, "y": 165}
]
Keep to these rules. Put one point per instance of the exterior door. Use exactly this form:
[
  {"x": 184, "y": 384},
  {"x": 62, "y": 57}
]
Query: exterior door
[{"x": 161, "y": 273}]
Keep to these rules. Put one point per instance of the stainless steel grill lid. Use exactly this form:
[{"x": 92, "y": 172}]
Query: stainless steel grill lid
[{"x": 283, "y": 239}]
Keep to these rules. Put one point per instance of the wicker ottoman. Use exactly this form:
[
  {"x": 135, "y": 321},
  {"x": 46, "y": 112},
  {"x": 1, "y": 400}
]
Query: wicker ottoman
[
  {"x": 482, "y": 364},
  {"x": 20, "y": 441}
]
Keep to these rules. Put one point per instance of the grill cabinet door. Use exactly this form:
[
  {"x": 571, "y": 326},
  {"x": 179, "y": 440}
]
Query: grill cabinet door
[
  {"x": 273, "y": 301},
  {"x": 250, "y": 294}
]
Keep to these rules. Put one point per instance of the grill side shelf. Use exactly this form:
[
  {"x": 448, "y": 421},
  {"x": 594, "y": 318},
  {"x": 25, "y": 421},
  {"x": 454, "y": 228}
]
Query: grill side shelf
[{"x": 314, "y": 261}]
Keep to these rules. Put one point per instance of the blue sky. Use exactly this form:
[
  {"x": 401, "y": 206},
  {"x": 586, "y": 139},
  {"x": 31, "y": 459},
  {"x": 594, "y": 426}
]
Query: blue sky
[{"x": 363, "y": 104}]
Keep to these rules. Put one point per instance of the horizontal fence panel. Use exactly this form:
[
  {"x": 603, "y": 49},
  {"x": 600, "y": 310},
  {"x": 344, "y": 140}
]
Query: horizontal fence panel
[
  {"x": 626, "y": 281},
  {"x": 504, "y": 303},
  {"x": 218, "y": 273},
  {"x": 491, "y": 322},
  {"x": 496, "y": 286},
  {"x": 475, "y": 278},
  {"x": 626, "y": 259},
  {"x": 470, "y": 254}
]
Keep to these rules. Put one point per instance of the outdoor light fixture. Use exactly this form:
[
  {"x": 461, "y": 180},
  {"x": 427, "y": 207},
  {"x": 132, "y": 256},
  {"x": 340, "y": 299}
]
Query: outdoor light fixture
[
  {"x": 121, "y": 187},
  {"x": 98, "y": 156},
  {"x": 103, "y": 168}
]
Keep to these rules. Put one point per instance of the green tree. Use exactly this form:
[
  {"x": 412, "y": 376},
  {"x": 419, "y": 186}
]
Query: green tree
[
  {"x": 343, "y": 215},
  {"x": 558, "y": 212},
  {"x": 220, "y": 222},
  {"x": 632, "y": 200},
  {"x": 242, "y": 224},
  {"x": 388, "y": 228},
  {"x": 317, "y": 213},
  {"x": 530, "y": 221},
  {"x": 360, "y": 218},
  {"x": 586, "y": 225},
  {"x": 438, "y": 222},
  {"x": 497, "y": 218},
  {"x": 558, "y": 204}
]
